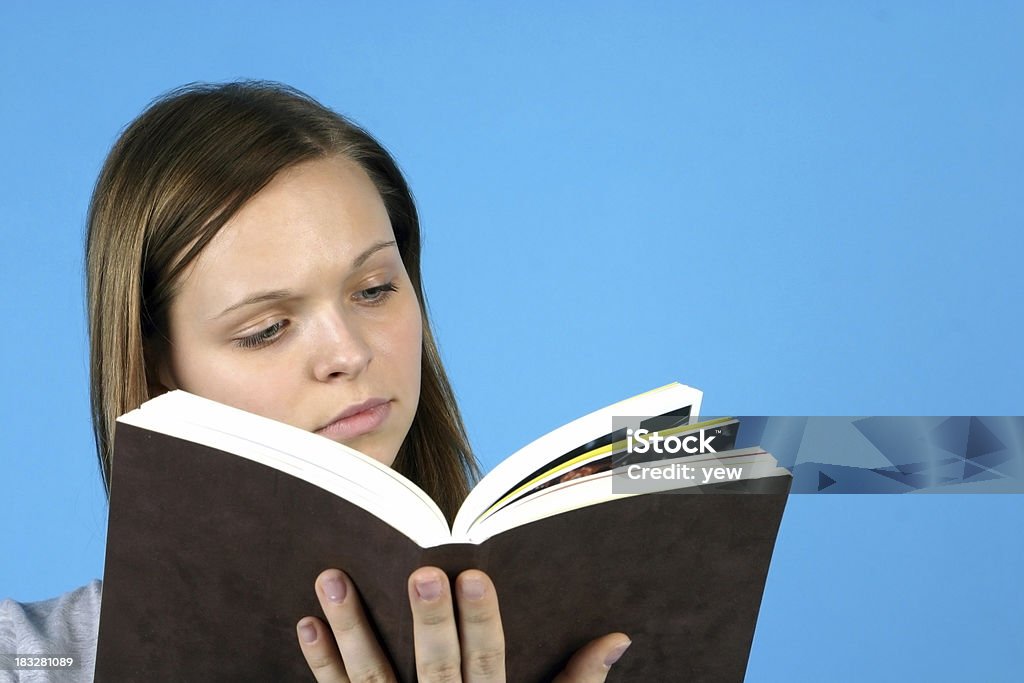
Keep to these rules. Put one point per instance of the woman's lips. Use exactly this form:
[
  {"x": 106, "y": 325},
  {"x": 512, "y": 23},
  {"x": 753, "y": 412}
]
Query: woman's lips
[{"x": 368, "y": 417}]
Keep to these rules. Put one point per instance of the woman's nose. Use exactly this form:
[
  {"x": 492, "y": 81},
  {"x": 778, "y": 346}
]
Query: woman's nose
[{"x": 342, "y": 349}]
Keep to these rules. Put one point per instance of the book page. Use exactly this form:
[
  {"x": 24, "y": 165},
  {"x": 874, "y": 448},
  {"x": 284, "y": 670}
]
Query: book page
[
  {"x": 574, "y": 436},
  {"x": 751, "y": 463},
  {"x": 601, "y": 456}
]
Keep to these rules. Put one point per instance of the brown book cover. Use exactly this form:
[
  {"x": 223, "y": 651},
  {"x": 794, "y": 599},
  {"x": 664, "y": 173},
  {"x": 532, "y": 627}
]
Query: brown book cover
[{"x": 211, "y": 559}]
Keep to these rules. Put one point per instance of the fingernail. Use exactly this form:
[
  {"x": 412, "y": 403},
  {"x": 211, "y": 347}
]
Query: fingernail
[
  {"x": 428, "y": 589},
  {"x": 615, "y": 654},
  {"x": 334, "y": 589},
  {"x": 307, "y": 632},
  {"x": 472, "y": 588}
]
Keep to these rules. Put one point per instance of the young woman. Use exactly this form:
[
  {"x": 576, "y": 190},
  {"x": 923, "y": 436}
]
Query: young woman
[{"x": 251, "y": 246}]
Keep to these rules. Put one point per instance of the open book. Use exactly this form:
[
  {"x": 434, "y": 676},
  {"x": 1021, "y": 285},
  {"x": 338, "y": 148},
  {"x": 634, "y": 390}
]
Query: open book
[{"x": 220, "y": 520}]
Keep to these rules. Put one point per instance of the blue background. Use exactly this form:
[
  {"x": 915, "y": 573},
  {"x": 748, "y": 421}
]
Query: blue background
[{"x": 803, "y": 210}]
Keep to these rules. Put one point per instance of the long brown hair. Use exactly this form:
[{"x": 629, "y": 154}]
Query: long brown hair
[{"x": 176, "y": 175}]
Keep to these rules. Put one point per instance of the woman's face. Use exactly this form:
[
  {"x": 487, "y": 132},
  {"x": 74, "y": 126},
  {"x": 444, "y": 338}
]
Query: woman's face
[{"x": 300, "y": 310}]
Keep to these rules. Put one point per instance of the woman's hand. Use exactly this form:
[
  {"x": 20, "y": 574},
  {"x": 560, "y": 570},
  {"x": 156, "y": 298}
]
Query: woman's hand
[{"x": 471, "y": 649}]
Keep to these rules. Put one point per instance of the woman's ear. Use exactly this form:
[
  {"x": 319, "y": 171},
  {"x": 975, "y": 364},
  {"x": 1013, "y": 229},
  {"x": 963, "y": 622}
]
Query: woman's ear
[
  {"x": 155, "y": 389},
  {"x": 159, "y": 378}
]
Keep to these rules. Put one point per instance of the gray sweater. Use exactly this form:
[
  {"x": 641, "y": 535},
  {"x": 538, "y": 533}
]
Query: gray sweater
[{"x": 63, "y": 626}]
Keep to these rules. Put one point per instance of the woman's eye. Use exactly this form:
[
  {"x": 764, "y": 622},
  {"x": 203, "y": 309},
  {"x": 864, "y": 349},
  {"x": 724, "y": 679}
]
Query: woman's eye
[
  {"x": 376, "y": 295},
  {"x": 263, "y": 337}
]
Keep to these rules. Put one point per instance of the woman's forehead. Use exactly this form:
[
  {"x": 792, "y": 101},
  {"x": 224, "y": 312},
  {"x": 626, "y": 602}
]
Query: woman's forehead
[{"x": 312, "y": 220}]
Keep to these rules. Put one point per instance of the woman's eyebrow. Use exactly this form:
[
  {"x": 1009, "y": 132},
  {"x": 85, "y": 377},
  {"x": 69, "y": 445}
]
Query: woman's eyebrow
[
  {"x": 274, "y": 295},
  {"x": 361, "y": 259},
  {"x": 278, "y": 294}
]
